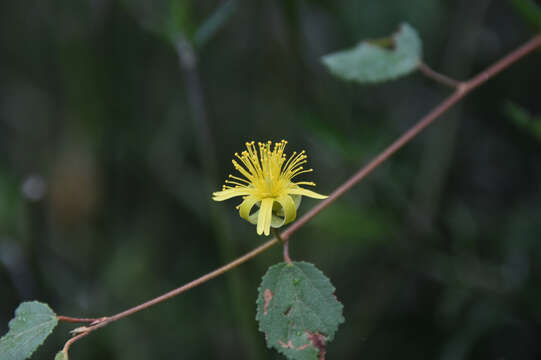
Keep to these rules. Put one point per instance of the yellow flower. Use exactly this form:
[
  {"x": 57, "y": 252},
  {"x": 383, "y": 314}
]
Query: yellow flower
[{"x": 267, "y": 184}]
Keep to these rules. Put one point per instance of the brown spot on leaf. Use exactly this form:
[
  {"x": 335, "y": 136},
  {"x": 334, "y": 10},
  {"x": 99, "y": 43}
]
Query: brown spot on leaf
[
  {"x": 286, "y": 313},
  {"x": 289, "y": 344},
  {"x": 318, "y": 342},
  {"x": 267, "y": 294}
]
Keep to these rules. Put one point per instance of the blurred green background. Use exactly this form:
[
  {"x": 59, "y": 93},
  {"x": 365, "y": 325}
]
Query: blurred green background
[{"x": 119, "y": 118}]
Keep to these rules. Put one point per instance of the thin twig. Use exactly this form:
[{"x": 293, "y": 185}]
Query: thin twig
[
  {"x": 68, "y": 343},
  {"x": 187, "y": 286},
  {"x": 285, "y": 243},
  {"x": 175, "y": 292},
  {"x": 76, "y": 320},
  {"x": 438, "y": 77},
  {"x": 462, "y": 89}
]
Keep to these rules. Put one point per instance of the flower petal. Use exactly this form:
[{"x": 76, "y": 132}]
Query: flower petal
[
  {"x": 265, "y": 216},
  {"x": 229, "y": 193},
  {"x": 246, "y": 206},
  {"x": 305, "y": 192},
  {"x": 253, "y": 217},
  {"x": 289, "y": 208},
  {"x": 297, "y": 199}
]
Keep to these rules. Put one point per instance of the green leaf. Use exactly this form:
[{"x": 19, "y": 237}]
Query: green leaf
[
  {"x": 168, "y": 19},
  {"x": 178, "y": 22},
  {"x": 33, "y": 322},
  {"x": 297, "y": 310},
  {"x": 378, "y": 60},
  {"x": 529, "y": 11},
  {"x": 524, "y": 120},
  {"x": 61, "y": 355}
]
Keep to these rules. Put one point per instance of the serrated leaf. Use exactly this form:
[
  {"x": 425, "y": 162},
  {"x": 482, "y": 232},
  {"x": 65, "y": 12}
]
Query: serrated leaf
[
  {"x": 378, "y": 60},
  {"x": 33, "y": 322},
  {"x": 297, "y": 310},
  {"x": 61, "y": 355}
]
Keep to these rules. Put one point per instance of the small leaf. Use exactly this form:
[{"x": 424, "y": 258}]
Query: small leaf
[
  {"x": 297, "y": 310},
  {"x": 378, "y": 60},
  {"x": 61, "y": 355},
  {"x": 33, "y": 322}
]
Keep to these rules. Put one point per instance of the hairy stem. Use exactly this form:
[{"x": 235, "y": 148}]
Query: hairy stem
[{"x": 462, "y": 90}]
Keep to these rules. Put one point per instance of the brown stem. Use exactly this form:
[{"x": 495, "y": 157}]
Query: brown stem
[
  {"x": 462, "y": 89},
  {"x": 76, "y": 320},
  {"x": 438, "y": 77},
  {"x": 501, "y": 64},
  {"x": 173, "y": 293},
  {"x": 285, "y": 243},
  {"x": 187, "y": 286},
  {"x": 68, "y": 343}
]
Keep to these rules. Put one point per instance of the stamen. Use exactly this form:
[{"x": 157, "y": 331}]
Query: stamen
[
  {"x": 289, "y": 160},
  {"x": 302, "y": 172},
  {"x": 306, "y": 183},
  {"x": 235, "y": 183},
  {"x": 238, "y": 178},
  {"x": 242, "y": 170}
]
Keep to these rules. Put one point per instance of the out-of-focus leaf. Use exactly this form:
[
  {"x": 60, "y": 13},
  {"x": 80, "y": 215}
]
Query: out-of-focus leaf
[
  {"x": 378, "y": 60},
  {"x": 170, "y": 19},
  {"x": 358, "y": 143},
  {"x": 529, "y": 11},
  {"x": 524, "y": 120},
  {"x": 61, "y": 355},
  {"x": 179, "y": 21},
  {"x": 174, "y": 20},
  {"x": 214, "y": 23},
  {"x": 297, "y": 310},
  {"x": 33, "y": 322},
  {"x": 370, "y": 226}
]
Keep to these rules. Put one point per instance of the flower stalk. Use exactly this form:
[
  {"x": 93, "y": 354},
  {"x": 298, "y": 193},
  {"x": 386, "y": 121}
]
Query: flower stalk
[{"x": 285, "y": 244}]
